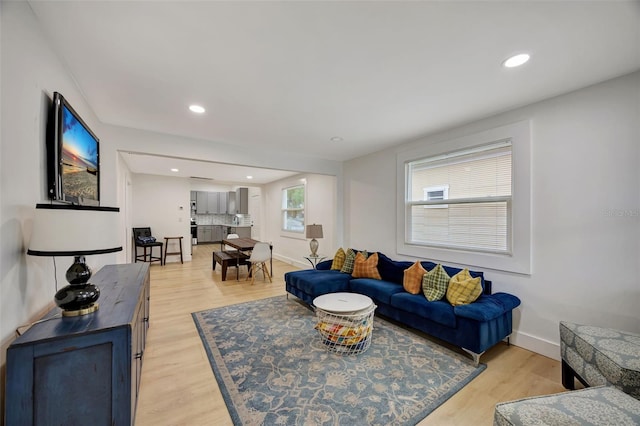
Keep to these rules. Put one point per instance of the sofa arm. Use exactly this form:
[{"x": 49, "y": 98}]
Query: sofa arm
[
  {"x": 325, "y": 265},
  {"x": 488, "y": 307}
]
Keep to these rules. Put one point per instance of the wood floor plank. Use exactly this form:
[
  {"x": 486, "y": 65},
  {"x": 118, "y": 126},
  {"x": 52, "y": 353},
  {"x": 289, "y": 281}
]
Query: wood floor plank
[{"x": 178, "y": 386}]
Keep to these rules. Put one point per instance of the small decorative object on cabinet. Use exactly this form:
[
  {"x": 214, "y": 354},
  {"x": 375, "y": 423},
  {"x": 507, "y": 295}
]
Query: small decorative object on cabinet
[{"x": 85, "y": 369}]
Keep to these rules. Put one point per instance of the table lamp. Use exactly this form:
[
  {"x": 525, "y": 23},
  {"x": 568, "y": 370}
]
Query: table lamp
[
  {"x": 78, "y": 231},
  {"x": 314, "y": 231}
]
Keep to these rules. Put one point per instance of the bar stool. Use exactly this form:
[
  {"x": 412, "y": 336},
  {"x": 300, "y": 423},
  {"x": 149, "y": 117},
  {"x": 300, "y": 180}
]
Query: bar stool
[{"x": 172, "y": 253}]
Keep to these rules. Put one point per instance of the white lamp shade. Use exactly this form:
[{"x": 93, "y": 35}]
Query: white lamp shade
[
  {"x": 314, "y": 231},
  {"x": 72, "y": 230}
]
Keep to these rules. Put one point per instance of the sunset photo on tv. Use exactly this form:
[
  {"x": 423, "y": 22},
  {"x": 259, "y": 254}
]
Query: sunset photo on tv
[{"x": 79, "y": 155}]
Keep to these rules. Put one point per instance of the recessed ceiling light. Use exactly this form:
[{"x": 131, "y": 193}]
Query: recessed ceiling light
[
  {"x": 175, "y": 170},
  {"x": 336, "y": 139},
  {"x": 249, "y": 177},
  {"x": 197, "y": 109},
  {"x": 516, "y": 60}
]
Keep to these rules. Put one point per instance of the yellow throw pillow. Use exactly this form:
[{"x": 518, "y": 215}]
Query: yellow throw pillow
[
  {"x": 338, "y": 260},
  {"x": 412, "y": 281},
  {"x": 463, "y": 288},
  {"x": 364, "y": 267}
]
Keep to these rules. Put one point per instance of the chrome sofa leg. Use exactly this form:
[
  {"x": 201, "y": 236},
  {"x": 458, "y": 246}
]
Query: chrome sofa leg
[{"x": 475, "y": 356}]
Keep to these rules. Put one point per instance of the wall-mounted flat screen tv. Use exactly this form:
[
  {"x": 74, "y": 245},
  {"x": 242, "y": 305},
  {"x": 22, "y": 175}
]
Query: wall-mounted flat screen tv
[{"x": 73, "y": 156}]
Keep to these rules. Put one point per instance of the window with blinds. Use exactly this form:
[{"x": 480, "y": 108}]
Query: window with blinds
[
  {"x": 462, "y": 199},
  {"x": 293, "y": 209}
]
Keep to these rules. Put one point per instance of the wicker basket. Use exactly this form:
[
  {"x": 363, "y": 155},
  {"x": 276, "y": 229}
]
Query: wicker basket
[{"x": 346, "y": 333}]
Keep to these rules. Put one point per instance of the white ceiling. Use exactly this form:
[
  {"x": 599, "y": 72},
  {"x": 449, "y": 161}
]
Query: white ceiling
[
  {"x": 216, "y": 173},
  {"x": 289, "y": 75}
]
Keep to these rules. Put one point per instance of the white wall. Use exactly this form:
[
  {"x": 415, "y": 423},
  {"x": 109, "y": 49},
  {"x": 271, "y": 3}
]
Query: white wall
[
  {"x": 585, "y": 214},
  {"x": 162, "y": 203},
  {"x": 31, "y": 72},
  {"x": 321, "y": 208}
]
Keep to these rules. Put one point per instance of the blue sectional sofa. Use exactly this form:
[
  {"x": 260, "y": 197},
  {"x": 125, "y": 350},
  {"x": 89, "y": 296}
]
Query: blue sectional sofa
[{"x": 474, "y": 327}]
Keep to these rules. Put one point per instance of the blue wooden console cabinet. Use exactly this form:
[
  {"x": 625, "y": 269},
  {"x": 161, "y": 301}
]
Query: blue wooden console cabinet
[{"x": 83, "y": 370}]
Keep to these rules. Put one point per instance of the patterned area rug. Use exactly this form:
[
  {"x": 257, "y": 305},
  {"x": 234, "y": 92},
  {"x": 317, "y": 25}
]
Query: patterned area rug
[{"x": 273, "y": 369}]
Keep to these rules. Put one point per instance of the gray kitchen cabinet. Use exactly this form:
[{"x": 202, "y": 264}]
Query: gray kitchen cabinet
[
  {"x": 243, "y": 231},
  {"x": 223, "y": 201},
  {"x": 202, "y": 202},
  {"x": 231, "y": 202},
  {"x": 242, "y": 201},
  {"x": 211, "y": 202},
  {"x": 205, "y": 234},
  {"x": 216, "y": 234}
]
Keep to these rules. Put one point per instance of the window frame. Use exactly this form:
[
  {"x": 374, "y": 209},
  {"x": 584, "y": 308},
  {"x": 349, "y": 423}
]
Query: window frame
[
  {"x": 518, "y": 259},
  {"x": 284, "y": 210}
]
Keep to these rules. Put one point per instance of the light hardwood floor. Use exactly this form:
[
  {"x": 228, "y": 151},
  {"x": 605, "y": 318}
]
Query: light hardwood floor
[{"x": 178, "y": 386}]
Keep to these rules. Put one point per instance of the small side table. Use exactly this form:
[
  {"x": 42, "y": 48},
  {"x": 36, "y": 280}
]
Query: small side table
[
  {"x": 314, "y": 260},
  {"x": 172, "y": 253}
]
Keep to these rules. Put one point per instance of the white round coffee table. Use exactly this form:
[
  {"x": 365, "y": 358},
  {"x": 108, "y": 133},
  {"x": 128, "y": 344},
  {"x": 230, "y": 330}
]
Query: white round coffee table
[
  {"x": 342, "y": 303},
  {"x": 345, "y": 322}
]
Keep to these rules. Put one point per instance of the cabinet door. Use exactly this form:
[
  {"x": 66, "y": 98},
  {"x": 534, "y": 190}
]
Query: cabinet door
[
  {"x": 231, "y": 202},
  {"x": 222, "y": 202},
  {"x": 40, "y": 387},
  {"x": 202, "y": 202},
  {"x": 244, "y": 232},
  {"x": 242, "y": 200},
  {"x": 212, "y": 202},
  {"x": 208, "y": 237},
  {"x": 217, "y": 234},
  {"x": 201, "y": 234}
]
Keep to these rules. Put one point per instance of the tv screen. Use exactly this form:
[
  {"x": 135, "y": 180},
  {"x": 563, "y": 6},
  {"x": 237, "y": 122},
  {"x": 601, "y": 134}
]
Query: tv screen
[{"x": 74, "y": 159}]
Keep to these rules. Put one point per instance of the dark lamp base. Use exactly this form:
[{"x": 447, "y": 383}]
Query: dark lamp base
[{"x": 77, "y": 297}]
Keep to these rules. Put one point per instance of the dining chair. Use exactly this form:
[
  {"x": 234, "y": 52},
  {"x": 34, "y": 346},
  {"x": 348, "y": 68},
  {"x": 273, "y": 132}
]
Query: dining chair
[
  {"x": 259, "y": 256},
  {"x": 241, "y": 258},
  {"x": 231, "y": 237},
  {"x": 142, "y": 238}
]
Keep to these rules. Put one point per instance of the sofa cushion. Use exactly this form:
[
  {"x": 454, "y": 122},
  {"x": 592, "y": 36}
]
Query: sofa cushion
[
  {"x": 338, "y": 260},
  {"x": 349, "y": 260},
  {"x": 315, "y": 283},
  {"x": 412, "y": 281},
  {"x": 439, "y": 311},
  {"x": 463, "y": 288},
  {"x": 380, "y": 291},
  {"x": 391, "y": 270},
  {"x": 484, "y": 309},
  {"x": 366, "y": 267},
  {"x": 435, "y": 283}
]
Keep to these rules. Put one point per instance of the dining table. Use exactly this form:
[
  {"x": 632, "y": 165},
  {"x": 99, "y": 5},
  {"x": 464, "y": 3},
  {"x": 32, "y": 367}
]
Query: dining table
[{"x": 245, "y": 245}]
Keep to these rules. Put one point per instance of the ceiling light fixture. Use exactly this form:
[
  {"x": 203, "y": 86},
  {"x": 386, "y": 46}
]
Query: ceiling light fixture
[
  {"x": 197, "y": 109},
  {"x": 249, "y": 177},
  {"x": 175, "y": 170},
  {"x": 516, "y": 60}
]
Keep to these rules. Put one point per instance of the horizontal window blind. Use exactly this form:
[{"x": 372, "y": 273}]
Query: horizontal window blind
[{"x": 476, "y": 214}]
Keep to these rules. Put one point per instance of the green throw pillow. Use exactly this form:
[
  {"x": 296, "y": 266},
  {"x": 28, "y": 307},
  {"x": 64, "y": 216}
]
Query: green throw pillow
[
  {"x": 435, "y": 283},
  {"x": 349, "y": 260}
]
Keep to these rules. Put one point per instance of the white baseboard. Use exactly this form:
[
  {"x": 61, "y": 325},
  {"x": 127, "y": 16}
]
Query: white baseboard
[
  {"x": 291, "y": 261},
  {"x": 536, "y": 344}
]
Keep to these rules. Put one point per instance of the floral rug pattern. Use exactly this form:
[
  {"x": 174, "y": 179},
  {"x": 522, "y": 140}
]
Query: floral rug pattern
[{"x": 273, "y": 369}]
